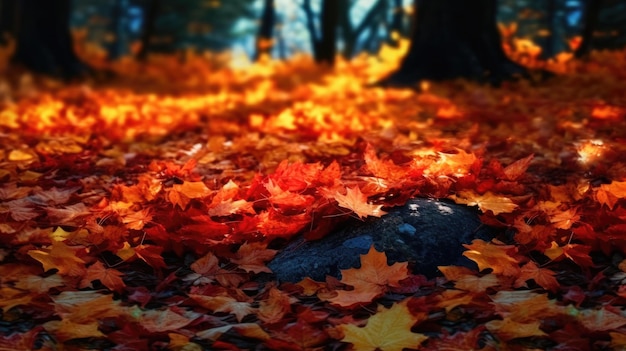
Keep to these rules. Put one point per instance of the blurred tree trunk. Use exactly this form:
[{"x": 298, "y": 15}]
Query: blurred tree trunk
[
  {"x": 264, "y": 42},
  {"x": 551, "y": 25},
  {"x": 327, "y": 46},
  {"x": 149, "y": 25},
  {"x": 590, "y": 24},
  {"x": 8, "y": 17},
  {"x": 44, "y": 40},
  {"x": 324, "y": 43},
  {"x": 396, "y": 28},
  {"x": 455, "y": 39},
  {"x": 117, "y": 29}
]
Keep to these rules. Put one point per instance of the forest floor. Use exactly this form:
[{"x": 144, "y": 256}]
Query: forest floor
[{"x": 140, "y": 213}]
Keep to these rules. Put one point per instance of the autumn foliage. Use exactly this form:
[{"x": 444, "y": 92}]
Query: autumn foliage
[{"x": 141, "y": 213}]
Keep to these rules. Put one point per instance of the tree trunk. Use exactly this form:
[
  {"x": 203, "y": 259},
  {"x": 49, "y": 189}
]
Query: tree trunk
[
  {"x": 397, "y": 23},
  {"x": 8, "y": 17},
  {"x": 455, "y": 39},
  {"x": 551, "y": 25},
  {"x": 328, "y": 43},
  {"x": 117, "y": 28},
  {"x": 44, "y": 41},
  {"x": 592, "y": 11},
  {"x": 152, "y": 13},
  {"x": 266, "y": 30}
]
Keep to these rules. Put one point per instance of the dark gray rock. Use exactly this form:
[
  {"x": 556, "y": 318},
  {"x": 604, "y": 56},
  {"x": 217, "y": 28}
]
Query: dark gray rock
[{"x": 424, "y": 232}]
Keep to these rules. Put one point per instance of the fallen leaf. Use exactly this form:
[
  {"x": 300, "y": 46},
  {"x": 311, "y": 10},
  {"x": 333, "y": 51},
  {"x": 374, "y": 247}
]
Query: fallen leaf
[
  {"x": 61, "y": 257},
  {"x": 224, "y": 304},
  {"x": 109, "y": 277},
  {"x": 387, "y": 330},
  {"x": 371, "y": 280},
  {"x": 252, "y": 257},
  {"x": 486, "y": 202},
  {"x": 355, "y": 201},
  {"x": 501, "y": 259}
]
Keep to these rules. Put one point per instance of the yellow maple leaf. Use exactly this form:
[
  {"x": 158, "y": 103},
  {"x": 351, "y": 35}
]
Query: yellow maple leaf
[
  {"x": 387, "y": 330},
  {"x": 500, "y": 258},
  {"x": 486, "y": 202},
  {"x": 356, "y": 201},
  {"x": 61, "y": 257},
  {"x": 371, "y": 280}
]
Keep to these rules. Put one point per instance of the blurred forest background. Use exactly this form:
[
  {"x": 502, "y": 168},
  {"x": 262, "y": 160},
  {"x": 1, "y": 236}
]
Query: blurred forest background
[{"x": 283, "y": 28}]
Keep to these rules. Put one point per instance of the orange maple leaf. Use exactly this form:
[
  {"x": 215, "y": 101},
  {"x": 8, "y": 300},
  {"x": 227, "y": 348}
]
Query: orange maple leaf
[
  {"x": 285, "y": 198},
  {"x": 356, "y": 201},
  {"x": 40, "y": 285},
  {"x": 382, "y": 169},
  {"x": 466, "y": 279},
  {"x": 517, "y": 168},
  {"x": 252, "y": 257},
  {"x": 500, "y": 258},
  {"x": 61, "y": 257},
  {"x": 224, "y": 304},
  {"x": 371, "y": 280},
  {"x": 486, "y": 202},
  {"x": 181, "y": 194},
  {"x": 387, "y": 330},
  {"x": 224, "y": 203},
  {"x": 66, "y": 329},
  {"x": 207, "y": 270},
  {"x": 137, "y": 220},
  {"x": 542, "y": 276},
  {"x": 508, "y": 329},
  {"x": 609, "y": 194},
  {"x": 109, "y": 277},
  {"x": 274, "y": 308}
]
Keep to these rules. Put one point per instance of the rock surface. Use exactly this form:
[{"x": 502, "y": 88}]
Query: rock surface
[{"x": 424, "y": 232}]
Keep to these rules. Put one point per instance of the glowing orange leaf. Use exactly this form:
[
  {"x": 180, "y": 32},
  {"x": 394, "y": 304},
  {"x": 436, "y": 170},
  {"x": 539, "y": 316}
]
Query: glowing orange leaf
[{"x": 608, "y": 194}]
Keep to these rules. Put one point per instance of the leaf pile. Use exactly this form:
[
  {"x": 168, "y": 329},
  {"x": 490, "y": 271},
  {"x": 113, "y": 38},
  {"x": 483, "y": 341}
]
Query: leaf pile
[{"x": 140, "y": 214}]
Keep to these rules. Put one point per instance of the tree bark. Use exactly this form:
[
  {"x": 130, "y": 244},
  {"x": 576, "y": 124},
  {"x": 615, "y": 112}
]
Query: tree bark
[
  {"x": 152, "y": 13},
  {"x": 397, "y": 23},
  {"x": 266, "y": 30},
  {"x": 44, "y": 41},
  {"x": 328, "y": 44},
  {"x": 117, "y": 28},
  {"x": 550, "y": 45},
  {"x": 590, "y": 24},
  {"x": 455, "y": 39},
  {"x": 8, "y": 15}
]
